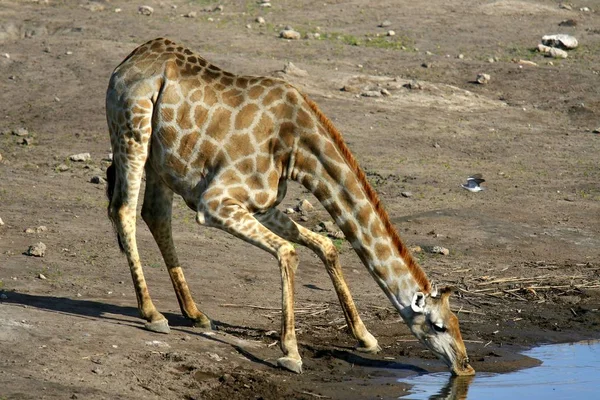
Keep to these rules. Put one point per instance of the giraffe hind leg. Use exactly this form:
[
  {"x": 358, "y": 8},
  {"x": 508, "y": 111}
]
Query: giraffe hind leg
[
  {"x": 156, "y": 212},
  {"x": 130, "y": 153},
  {"x": 281, "y": 224}
]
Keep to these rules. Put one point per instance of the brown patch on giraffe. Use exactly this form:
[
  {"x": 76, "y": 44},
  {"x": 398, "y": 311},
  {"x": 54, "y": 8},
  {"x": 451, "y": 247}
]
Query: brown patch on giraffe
[
  {"x": 273, "y": 179},
  {"x": 255, "y": 182},
  {"x": 283, "y": 111},
  {"x": 239, "y": 193},
  {"x": 230, "y": 177},
  {"x": 179, "y": 63},
  {"x": 206, "y": 149},
  {"x": 263, "y": 163},
  {"x": 187, "y": 52},
  {"x": 382, "y": 272},
  {"x": 202, "y": 62},
  {"x": 195, "y": 95},
  {"x": 255, "y": 92},
  {"x": 219, "y": 87},
  {"x": 273, "y": 95},
  {"x": 200, "y": 115},
  {"x": 262, "y": 199},
  {"x": 187, "y": 144},
  {"x": 220, "y": 124},
  {"x": 233, "y": 98},
  {"x": 210, "y": 96},
  {"x": 245, "y": 166},
  {"x": 209, "y": 75},
  {"x": 168, "y": 134},
  {"x": 304, "y": 120},
  {"x": 306, "y": 162},
  {"x": 287, "y": 135},
  {"x": 176, "y": 165},
  {"x": 382, "y": 251},
  {"x": 157, "y": 46},
  {"x": 167, "y": 114},
  {"x": 241, "y": 82},
  {"x": 192, "y": 59},
  {"x": 263, "y": 129},
  {"x": 184, "y": 119},
  {"x": 245, "y": 116},
  {"x": 170, "y": 95},
  {"x": 170, "y": 49},
  {"x": 239, "y": 146},
  {"x": 291, "y": 97},
  {"x": 363, "y": 215},
  {"x": 267, "y": 82},
  {"x": 226, "y": 80},
  {"x": 416, "y": 271},
  {"x": 180, "y": 57}
]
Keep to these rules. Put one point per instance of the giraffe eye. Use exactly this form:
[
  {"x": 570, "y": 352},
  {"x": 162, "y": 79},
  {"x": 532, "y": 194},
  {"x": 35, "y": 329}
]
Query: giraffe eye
[{"x": 439, "y": 328}]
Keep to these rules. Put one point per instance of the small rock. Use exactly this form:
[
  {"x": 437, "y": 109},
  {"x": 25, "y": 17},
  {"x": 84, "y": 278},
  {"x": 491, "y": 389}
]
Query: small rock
[
  {"x": 260, "y": 20},
  {"x": 1, "y": 222},
  {"x": 290, "y": 211},
  {"x": 391, "y": 33},
  {"x": 371, "y": 93},
  {"x": 304, "y": 218},
  {"x": 585, "y": 9},
  {"x": 69, "y": 53},
  {"x": 385, "y": 24},
  {"x": 3, "y": 297},
  {"x": 289, "y": 34},
  {"x": 414, "y": 85},
  {"x": 385, "y": 92},
  {"x": 97, "y": 180},
  {"x": 460, "y": 56},
  {"x": 118, "y": 10},
  {"x": 406, "y": 194},
  {"x": 416, "y": 249},
  {"x": 436, "y": 145},
  {"x": 265, "y": 5},
  {"x": 482, "y": 79},
  {"x": 214, "y": 356},
  {"x": 6, "y": 55},
  {"x": 218, "y": 8},
  {"x": 26, "y": 141},
  {"x": 527, "y": 62},
  {"x": 568, "y": 22},
  {"x": 248, "y": 26},
  {"x": 191, "y": 14},
  {"x": 156, "y": 343},
  {"x": 62, "y": 168},
  {"x": 328, "y": 226},
  {"x": 491, "y": 60},
  {"x": 565, "y": 6},
  {"x": 291, "y": 69},
  {"x": 145, "y": 10},
  {"x": 20, "y": 132},
  {"x": 440, "y": 250},
  {"x": 351, "y": 89},
  {"x": 597, "y": 130},
  {"x": 426, "y": 65},
  {"x": 337, "y": 235},
  {"x": 305, "y": 206},
  {"x": 98, "y": 371},
  {"x": 42, "y": 277},
  {"x": 37, "y": 250},
  {"x": 81, "y": 157},
  {"x": 561, "y": 41},
  {"x": 0, "y": 157}
]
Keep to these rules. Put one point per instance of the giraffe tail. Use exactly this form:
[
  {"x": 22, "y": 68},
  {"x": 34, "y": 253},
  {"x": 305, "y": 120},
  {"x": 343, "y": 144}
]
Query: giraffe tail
[{"x": 111, "y": 178}]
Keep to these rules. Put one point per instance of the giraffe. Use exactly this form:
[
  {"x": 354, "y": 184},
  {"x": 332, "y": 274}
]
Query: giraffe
[{"x": 227, "y": 145}]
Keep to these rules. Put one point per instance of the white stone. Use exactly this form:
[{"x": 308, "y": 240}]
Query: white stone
[
  {"x": 145, "y": 10},
  {"x": 81, "y": 157},
  {"x": 560, "y": 40},
  {"x": 260, "y": 20},
  {"x": 289, "y": 34},
  {"x": 391, "y": 33},
  {"x": 483, "y": 78},
  {"x": 1, "y": 222},
  {"x": 291, "y": 69},
  {"x": 37, "y": 250}
]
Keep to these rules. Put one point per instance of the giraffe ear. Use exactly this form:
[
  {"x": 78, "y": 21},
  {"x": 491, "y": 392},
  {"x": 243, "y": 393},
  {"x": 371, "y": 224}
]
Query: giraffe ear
[{"x": 418, "y": 302}]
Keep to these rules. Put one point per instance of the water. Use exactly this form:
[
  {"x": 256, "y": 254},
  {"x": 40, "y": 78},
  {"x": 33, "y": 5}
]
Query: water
[{"x": 568, "y": 371}]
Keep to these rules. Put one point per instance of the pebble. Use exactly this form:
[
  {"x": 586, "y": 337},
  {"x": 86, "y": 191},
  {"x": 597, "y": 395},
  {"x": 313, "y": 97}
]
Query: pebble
[
  {"x": 491, "y": 60},
  {"x": 145, "y": 10},
  {"x": 39, "y": 229},
  {"x": 98, "y": 371},
  {"x": 290, "y": 210},
  {"x": 26, "y": 141},
  {"x": 552, "y": 51},
  {"x": 1, "y": 222},
  {"x": 406, "y": 194},
  {"x": 385, "y": 92},
  {"x": 214, "y": 356},
  {"x": 291, "y": 69},
  {"x": 6, "y": 55},
  {"x": 42, "y": 277},
  {"x": 218, "y": 8},
  {"x": 37, "y": 250},
  {"x": 69, "y": 53},
  {"x": 0, "y": 157},
  {"x": 80, "y": 157},
  {"x": 3, "y": 297},
  {"x": 20, "y": 132},
  {"x": 305, "y": 206},
  {"x": 414, "y": 85},
  {"x": 568, "y": 22},
  {"x": 289, "y": 34},
  {"x": 440, "y": 250},
  {"x": 266, "y": 5},
  {"x": 416, "y": 249},
  {"x": 565, "y": 6},
  {"x": 460, "y": 56},
  {"x": 62, "y": 168},
  {"x": 385, "y": 24},
  {"x": 391, "y": 33},
  {"x": 527, "y": 62},
  {"x": 260, "y": 20},
  {"x": 191, "y": 14},
  {"x": 327, "y": 226},
  {"x": 248, "y": 26},
  {"x": 562, "y": 41},
  {"x": 483, "y": 78},
  {"x": 96, "y": 179},
  {"x": 371, "y": 93},
  {"x": 156, "y": 343}
]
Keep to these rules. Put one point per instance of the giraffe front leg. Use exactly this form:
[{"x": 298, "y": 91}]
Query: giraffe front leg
[
  {"x": 284, "y": 226},
  {"x": 232, "y": 217}
]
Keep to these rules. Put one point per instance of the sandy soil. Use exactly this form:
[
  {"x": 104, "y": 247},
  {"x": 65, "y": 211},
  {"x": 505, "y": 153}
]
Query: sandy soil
[{"x": 523, "y": 253}]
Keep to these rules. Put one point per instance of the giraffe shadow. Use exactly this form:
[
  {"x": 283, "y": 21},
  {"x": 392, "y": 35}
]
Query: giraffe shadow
[{"x": 228, "y": 334}]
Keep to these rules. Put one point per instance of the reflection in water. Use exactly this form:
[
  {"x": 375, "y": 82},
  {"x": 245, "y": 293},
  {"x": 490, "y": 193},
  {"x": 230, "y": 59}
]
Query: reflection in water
[
  {"x": 456, "y": 389},
  {"x": 567, "y": 371}
]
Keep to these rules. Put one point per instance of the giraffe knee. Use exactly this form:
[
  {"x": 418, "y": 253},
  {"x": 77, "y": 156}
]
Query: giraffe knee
[
  {"x": 287, "y": 256},
  {"x": 330, "y": 253}
]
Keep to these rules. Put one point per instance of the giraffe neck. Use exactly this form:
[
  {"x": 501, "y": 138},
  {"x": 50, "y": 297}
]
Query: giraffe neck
[{"x": 325, "y": 166}]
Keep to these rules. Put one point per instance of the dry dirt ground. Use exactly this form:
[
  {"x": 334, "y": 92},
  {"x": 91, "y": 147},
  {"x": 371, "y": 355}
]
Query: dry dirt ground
[{"x": 524, "y": 253}]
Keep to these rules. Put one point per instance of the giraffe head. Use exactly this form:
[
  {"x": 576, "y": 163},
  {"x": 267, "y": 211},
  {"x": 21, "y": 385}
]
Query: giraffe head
[{"x": 436, "y": 326}]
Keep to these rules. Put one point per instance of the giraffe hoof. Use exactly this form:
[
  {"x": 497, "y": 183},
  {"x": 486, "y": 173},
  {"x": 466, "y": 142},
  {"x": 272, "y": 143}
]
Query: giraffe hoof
[
  {"x": 291, "y": 364},
  {"x": 160, "y": 326},
  {"x": 203, "y": 324},
  {"x": 371, "y": 349}
]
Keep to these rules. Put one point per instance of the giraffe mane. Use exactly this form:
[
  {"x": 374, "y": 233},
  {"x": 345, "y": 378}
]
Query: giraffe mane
[{"x": 416, "y": 271}]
